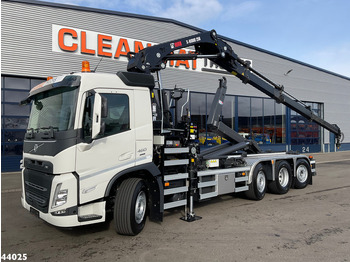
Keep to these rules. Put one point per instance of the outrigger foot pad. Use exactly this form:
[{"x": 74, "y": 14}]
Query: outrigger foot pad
[{"x": 190, "y": 218}]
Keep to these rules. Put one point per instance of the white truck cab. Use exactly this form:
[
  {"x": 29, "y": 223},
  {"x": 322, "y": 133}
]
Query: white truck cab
[{"x": 84, "y": 130}]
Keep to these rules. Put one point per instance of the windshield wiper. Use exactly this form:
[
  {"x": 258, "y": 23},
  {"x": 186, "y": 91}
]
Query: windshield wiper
[
  {"x": 48, "y": 132},
  {"x": 47, "y": 128},
  {"x": 29, "y": 134}
]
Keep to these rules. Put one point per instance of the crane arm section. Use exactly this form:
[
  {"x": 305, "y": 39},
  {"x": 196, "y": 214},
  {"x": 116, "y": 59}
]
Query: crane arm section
[{"x": 209, "y": 45}]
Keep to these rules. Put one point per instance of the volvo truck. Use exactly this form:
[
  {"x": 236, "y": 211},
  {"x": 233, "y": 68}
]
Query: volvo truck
[{"x": 102, "y": 146}]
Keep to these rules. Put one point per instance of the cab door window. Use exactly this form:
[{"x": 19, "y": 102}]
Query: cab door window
[
  {"x": 118, "y": 114},
  {"x": 117, "y": 119}
]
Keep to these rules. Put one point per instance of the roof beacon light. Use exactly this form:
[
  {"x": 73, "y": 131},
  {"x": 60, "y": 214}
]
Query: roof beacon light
[{"x": 85, "y": 66}]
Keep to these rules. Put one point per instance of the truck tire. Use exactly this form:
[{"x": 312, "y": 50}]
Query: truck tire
[
  {"x": 257, "y": 188},
  {"x": 130, "y": 207},
  {"x": 302, "y": 176},
  {"x": 283, "y": 178}
]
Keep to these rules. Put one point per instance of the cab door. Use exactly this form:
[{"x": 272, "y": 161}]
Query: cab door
[{"x": 101, "y": 156}]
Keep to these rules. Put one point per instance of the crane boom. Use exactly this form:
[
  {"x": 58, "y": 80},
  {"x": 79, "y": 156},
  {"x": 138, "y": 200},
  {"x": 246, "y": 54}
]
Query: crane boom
[{"x": 209, "y": 45}]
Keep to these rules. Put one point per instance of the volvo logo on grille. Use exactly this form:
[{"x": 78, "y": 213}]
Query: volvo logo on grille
[{"x": 35, "y": 148}]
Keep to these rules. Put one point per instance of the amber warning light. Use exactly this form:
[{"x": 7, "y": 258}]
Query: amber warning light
[{"x": 85, "y": 66}]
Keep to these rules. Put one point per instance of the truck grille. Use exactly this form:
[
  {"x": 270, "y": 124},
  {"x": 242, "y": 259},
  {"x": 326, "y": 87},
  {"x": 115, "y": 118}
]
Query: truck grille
[{"x": 37, "y": 186}]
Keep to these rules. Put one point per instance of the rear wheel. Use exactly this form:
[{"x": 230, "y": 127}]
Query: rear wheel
[
  {"x": 302, "y": 176},
  {"x": 130, "y": 207},
  {"x": 283, "y": 178},
  {"x": 257, "y": 187}
]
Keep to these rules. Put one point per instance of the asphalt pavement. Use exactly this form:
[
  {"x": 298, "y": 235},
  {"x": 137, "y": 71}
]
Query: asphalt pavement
[{"x": 311, "y": 224}]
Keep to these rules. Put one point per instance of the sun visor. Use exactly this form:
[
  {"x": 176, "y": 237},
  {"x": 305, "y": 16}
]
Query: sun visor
[{"x": 60, "y": 81}]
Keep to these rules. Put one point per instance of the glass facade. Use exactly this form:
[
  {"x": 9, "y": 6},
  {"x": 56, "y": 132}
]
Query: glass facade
[
  {"x": 14, "y": 119},
  {"x": 305, "y": 136},
  {"x": 262, "y": 119}
]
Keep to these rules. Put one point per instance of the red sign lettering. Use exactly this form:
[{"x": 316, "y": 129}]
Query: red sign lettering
[
  {"x": 122, "y": 43},
  {"x": 84, "y": 50},
  {"x": 61, "y": 35},
  {"x": 101, "y": 45}
]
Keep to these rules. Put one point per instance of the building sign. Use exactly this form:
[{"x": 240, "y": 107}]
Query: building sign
[{"x": 84, "y": 42}]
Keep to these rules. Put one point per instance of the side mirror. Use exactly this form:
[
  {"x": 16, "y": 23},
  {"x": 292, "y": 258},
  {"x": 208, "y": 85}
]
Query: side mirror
[
  {"x": 100, "y": 111},
  {"x": 104, "y": 107}
]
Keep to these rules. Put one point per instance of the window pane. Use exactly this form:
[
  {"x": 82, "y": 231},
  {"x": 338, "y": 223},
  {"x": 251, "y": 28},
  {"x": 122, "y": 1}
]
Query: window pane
[
  {"x": 157, "y": 115},
  {"x": 244, "y": 115},
  {"x": 269, "y": 120},
  {"x": 280, "y": 123},
  {"x": 118, "y": 118},
  {"x": 12, "y": 149},
  {"x": 198, "y": 114},
  {"x": 175, "y": 95},
  {"x": 14, "y": 136},
  {"x": 15, "y": 123},
  {"x": 2, "y": 86},
  {"x": 228, "y": 111},
  {"x": 304, "y": 132},
  {"x": 16, "y": 110},
  {"x": 257, "y": 120},
  {"x": 210, "y": 98},
  {"x": 17, "y": 83},
  {"x": 212, "y": 138},
  {"x": 15, "y": 96},
  {"x": 54, "y": 108}
]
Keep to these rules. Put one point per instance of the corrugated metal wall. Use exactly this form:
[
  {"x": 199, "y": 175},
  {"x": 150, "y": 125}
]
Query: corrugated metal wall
[{"x": 26, "y": 49}]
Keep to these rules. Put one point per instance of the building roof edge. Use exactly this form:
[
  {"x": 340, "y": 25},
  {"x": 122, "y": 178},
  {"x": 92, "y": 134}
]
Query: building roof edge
[{"x": 168, "y": 20}]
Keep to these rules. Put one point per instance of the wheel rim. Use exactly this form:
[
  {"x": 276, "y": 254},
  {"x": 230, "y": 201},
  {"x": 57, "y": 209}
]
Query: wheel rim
[
  {"x": 302, "y": 173},
  {"x": 261, "y": 181},
  {"x": 283, "y": 177},
  {"x": 140, "y": 207}
]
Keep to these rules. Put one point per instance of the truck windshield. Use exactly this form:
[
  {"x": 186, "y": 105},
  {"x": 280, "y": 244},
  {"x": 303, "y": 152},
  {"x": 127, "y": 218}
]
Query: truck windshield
[{"x": 54, "y": 108}]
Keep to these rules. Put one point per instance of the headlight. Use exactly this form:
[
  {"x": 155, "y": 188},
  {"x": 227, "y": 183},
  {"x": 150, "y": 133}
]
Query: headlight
[{"x": 60, "y": 197}]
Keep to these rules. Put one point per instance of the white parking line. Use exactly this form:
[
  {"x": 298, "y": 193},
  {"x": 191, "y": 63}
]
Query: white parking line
[
  {"x": 333, "y": 161},
  {"x": 11, "y": 190}
]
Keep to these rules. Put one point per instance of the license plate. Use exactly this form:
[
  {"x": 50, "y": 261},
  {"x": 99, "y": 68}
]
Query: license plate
[{"x": 34, "y": 212}]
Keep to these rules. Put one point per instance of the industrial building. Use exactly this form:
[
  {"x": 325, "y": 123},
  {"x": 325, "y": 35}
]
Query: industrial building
[{"x": 41, "y": 39}]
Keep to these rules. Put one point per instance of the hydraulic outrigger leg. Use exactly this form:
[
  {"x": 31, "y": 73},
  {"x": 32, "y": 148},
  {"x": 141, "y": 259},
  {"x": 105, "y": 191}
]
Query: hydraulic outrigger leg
[{"x": 190, "y": 216}]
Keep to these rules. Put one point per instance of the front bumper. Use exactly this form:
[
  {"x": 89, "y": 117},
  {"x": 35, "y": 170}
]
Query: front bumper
[
  {"x": 71, "y": 217},
  {"x": 39, "y": 192}
]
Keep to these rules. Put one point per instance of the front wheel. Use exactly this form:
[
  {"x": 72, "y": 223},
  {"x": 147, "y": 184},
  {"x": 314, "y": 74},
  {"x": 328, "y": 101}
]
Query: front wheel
[
  {"x": 283, "y": 179},
  {"x": 257, "y": 188},
  {"x": 130, "y": 207}
]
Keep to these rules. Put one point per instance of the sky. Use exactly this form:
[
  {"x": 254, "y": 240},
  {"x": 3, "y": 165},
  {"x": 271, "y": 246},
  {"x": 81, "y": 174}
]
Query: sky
[{"x": 315, "y": 32}]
